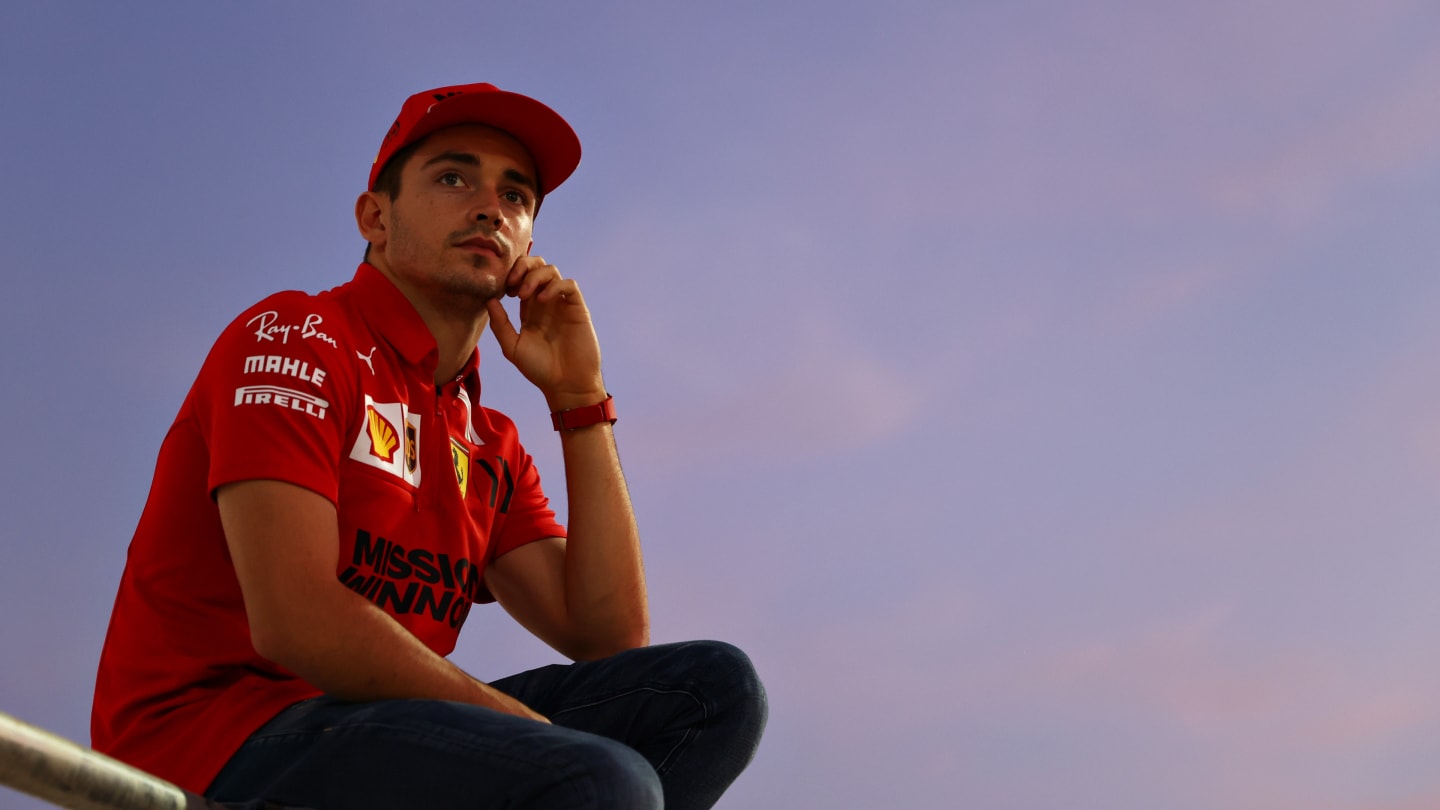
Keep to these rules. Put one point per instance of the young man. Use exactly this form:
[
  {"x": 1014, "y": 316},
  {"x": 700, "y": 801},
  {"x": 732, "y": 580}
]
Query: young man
[{"x": 333, "y": 497}]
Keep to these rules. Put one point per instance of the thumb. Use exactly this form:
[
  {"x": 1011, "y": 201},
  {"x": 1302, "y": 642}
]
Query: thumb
[{"x": 501, "y": 327}]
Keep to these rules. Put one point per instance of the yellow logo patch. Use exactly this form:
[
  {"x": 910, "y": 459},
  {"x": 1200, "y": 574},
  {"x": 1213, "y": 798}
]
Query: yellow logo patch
[
  {"x": 383, "y": 439},
  {"x": 461, "y": 457}
]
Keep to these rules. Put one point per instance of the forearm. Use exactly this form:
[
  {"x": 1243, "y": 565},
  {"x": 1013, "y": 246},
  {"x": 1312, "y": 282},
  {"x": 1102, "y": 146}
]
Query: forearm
[
  {"x": 282, "y": 540},
  {"x": 604, "y": 574},
  {"x": 349, "y": 648},
  {"x": 589, "y": 601}
]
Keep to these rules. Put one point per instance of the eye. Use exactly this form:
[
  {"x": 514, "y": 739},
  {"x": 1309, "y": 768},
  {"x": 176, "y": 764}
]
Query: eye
[
  {"x": 452, "y": 179},
  {"x": 516, "y": 198}
]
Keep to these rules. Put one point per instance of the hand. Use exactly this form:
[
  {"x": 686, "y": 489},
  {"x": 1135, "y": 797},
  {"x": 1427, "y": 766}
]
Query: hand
[
  {"x": 509, "y": 705},
  {"x": 555, "y": 346}
]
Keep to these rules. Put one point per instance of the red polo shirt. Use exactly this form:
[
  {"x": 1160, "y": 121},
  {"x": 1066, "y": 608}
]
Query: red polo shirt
[{"x": 335, "y": 393}]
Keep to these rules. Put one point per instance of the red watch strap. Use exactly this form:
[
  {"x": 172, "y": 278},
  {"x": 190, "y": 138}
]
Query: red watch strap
[{"x": 573, "y": 418}]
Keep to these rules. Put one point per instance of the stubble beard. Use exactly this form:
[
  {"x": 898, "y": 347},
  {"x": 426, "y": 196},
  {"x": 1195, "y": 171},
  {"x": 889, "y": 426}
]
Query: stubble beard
[
  {"x": 451, "y": 286},
  {"x": 488, "y": 283}
]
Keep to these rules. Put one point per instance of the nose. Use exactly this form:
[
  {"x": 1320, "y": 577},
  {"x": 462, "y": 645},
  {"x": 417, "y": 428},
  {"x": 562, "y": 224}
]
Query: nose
[{"x": 487, "y": 208}]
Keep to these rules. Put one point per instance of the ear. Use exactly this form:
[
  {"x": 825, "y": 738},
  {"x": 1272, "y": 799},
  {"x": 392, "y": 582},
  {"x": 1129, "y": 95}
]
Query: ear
[{"x": 371, "y": 210}]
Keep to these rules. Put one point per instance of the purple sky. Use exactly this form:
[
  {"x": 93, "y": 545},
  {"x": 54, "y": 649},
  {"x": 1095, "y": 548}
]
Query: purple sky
[{"x": 1044, "y": 393}]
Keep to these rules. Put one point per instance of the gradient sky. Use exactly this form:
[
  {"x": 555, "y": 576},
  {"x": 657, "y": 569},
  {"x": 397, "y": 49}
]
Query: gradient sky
[{"x": 1043, "y": 393}]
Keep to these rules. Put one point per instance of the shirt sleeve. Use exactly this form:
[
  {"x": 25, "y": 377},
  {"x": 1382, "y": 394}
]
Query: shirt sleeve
[
  {"x": 273, "y": 398},
  {"x": 529, "y": 517}
]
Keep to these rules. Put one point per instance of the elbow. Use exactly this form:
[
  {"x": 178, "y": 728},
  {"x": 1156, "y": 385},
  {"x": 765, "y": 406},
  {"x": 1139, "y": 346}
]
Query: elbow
[
  {"x": 630, "y": 641},
  {"x": 296, "y": 634},
  {"x": 629, "y": 635},
  {"x": 613, "y": 643},
  {"x": 273, "y": 643},
  {"x": 294, "y": 641},
  {"x": 640, "y": 638}
]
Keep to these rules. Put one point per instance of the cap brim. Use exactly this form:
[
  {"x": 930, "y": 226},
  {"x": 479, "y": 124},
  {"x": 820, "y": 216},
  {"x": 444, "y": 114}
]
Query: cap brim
[{"x": 551, "y": 142}]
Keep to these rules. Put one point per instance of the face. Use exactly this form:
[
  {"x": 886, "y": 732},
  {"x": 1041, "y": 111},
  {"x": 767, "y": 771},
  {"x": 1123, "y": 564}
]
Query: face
[{"x": 463, "y": 216}]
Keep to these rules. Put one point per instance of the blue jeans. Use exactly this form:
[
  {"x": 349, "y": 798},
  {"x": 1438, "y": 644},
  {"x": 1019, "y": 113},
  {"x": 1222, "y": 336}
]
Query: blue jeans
[{"x": 664, "y": 726}]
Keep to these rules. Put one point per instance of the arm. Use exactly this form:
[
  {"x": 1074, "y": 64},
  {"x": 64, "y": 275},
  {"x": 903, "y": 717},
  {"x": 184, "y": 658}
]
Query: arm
[
  {"x": 284, "y": 541},
  {"x": 584, "y": 596}
]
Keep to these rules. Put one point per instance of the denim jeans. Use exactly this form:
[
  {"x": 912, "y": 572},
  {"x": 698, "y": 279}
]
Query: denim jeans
[{"x": 664, "y": 726}]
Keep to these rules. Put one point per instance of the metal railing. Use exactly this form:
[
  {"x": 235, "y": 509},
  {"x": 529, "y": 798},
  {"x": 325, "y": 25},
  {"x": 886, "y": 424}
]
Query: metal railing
[{"x": 54, "y": 769}]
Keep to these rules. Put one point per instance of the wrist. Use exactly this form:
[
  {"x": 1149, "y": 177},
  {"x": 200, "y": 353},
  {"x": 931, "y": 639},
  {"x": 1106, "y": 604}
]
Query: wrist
[
  {"x": 594, "y": 413},
  {"x": 568, "y": 401}
]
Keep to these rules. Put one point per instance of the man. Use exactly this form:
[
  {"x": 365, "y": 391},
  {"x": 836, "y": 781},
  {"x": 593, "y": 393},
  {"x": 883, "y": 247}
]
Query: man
[{"x": 333, "y": 497}]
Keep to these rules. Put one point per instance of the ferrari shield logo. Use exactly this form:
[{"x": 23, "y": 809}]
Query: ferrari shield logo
[{"x": 461, "y": 457}]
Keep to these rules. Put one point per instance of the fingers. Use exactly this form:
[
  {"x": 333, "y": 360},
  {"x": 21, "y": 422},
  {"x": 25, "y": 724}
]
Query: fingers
[
  {"x": 561, "y": 288},
  {"x": 500, "y": 326},
  {"x": 552, "y": 342},
  {"x": 526, "y": 274},
  {"x": 531, "y": 278}
]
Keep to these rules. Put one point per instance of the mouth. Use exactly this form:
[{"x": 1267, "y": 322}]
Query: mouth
[{"x": 480, "y": 244}]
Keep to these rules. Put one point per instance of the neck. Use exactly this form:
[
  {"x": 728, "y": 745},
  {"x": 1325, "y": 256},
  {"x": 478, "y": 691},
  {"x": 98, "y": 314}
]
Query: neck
[
  {"x": 455, "y": 321},
  {"x": 454, "y": 340}
]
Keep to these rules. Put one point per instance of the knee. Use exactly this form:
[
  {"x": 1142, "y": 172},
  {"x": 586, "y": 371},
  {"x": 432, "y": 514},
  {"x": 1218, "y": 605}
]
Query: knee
[
  {"x": 613, "y": 775},
  {"x": 728, "y": 675}
]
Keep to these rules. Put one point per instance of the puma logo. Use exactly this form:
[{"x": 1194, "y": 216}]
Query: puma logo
[{"x": 367, "y": 358}]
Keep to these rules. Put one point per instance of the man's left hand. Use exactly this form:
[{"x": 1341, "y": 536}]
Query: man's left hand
[{"x": 555, "y": 346}]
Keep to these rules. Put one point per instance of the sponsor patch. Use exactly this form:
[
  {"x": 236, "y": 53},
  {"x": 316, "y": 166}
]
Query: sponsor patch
[
  {"x": 383, "y": 437},
  {"x": 368, "y": 358},
  {"x": 389, "y": 440},
  {"x": 287, "y": 398},
  {"x": 416, "y": 581},
  {"x": 289, "y": 366},
  {"x": 268, "y": 327},
  {"x": 461, "y": 457}
]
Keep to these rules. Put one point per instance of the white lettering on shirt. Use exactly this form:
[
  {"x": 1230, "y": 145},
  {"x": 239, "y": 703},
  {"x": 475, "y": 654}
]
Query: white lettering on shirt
[
  {"x": 289, "y": 366},
  {"x": 267, "y": 328},
  {"x": 286, "y": 398}
]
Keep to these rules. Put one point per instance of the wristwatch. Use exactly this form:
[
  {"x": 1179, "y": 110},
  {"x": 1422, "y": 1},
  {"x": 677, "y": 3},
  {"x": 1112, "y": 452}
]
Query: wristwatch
[{"x": 586, "y": 415}]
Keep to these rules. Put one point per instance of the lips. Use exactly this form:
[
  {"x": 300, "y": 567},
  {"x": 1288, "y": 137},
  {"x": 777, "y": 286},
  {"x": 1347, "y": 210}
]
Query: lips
[{"x": 478, "y": 243}]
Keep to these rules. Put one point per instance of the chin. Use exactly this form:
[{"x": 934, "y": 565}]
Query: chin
[{"x": 476, "y": 287}]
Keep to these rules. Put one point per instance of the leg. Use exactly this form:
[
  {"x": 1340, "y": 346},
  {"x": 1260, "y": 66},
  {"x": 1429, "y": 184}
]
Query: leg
[
  {"x": 695, "y": 710},
  {"x": 325, "y": 753}
]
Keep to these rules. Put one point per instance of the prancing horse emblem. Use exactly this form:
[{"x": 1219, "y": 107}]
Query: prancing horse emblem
[{"x": 461, "y": 457}]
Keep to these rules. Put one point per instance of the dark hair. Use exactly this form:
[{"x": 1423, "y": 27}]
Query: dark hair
[{"x": 387, "y": 182}]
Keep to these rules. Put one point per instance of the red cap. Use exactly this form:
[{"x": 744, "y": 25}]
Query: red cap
[{"x": 551, "y": 142}]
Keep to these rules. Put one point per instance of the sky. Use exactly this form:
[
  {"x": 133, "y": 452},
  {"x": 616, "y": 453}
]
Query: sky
[{"x": 1044, "y": 394}]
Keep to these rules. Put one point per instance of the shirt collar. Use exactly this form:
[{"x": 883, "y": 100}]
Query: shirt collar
[{"x": 391, "y": 316}]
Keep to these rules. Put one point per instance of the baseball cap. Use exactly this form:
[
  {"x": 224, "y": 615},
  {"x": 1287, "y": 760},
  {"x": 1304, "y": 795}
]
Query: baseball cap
[{"x": 551, "y": 142}]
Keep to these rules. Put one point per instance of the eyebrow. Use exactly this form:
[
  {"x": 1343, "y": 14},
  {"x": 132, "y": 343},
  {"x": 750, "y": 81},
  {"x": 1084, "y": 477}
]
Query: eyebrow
[{"x": 467, "y": 159}]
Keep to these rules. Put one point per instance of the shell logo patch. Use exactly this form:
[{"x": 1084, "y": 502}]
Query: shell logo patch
[
  {"x": 383, "y": 439},
  {"x": 389, "y": 439},
  {"x": 461, "y": 457}
]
